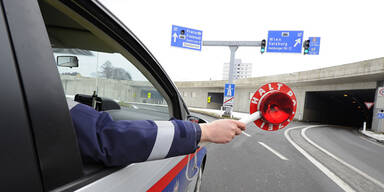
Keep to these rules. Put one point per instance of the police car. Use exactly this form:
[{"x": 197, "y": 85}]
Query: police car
[{"x": 52, "y": 51}]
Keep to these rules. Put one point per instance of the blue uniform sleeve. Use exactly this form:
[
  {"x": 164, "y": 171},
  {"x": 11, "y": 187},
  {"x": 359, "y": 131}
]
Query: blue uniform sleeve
[{"x": 116, "y": 143}]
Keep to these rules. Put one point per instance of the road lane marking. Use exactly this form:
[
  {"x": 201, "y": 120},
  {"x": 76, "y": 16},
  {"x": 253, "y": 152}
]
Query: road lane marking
[
  {"x": 246, "y": 134},
  {"x": 340, "y": 160},
  {"x": 320, "y": 166},
  {"x": 273, "y": 151}
]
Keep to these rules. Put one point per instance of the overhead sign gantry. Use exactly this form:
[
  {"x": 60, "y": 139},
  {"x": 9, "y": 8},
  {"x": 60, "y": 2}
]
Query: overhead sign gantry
[
  {"x": 278, "y": 42},
  {"x": 233, "y": 46}
]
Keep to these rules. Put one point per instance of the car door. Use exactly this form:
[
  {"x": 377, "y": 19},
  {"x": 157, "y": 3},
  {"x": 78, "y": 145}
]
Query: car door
[
  {"x": 18, "y": 161},
  {"x": 86, "y": 30}
]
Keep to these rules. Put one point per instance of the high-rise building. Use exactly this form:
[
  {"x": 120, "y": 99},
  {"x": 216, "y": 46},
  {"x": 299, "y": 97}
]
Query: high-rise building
[{"x": 240, "y": 70}]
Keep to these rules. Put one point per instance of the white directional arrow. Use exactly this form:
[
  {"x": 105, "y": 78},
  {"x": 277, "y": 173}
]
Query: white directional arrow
[
  {"x": 174, "y": 37},
  {"x": 229, "y": 92},
  {"x": 298, "y": 41}
]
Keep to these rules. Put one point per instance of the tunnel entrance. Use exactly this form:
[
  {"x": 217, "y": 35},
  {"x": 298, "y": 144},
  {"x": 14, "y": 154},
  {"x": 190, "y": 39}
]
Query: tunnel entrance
[
  {"x": 339, "y": 107},
  {"x": 215, "y": 101}
]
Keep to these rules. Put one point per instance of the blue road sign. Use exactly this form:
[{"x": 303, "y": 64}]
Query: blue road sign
[
  {"x": 285, "y": 41},
  {"x": 314, "y": 45},
  {"x": 380, "y": 115},
  {"x": 229, "y": 90},
  {"x": 186, "y": 38}
]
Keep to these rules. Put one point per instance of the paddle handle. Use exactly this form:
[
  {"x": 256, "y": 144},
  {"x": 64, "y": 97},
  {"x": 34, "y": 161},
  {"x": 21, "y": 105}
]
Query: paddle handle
[{"x": 251, "y": 118}]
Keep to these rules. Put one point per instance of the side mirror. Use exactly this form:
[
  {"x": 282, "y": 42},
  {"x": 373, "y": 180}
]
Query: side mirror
[
  {"x": 196, "y": 119},
  {"x": 67, "y": 61}
]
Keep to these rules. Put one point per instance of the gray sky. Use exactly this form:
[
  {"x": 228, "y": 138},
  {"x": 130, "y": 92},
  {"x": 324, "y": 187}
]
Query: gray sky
[{"x": 350, "y": 31}]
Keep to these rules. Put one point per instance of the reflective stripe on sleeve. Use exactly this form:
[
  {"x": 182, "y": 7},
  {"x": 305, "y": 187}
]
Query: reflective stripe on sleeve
[{"x": 164, "y": 139}]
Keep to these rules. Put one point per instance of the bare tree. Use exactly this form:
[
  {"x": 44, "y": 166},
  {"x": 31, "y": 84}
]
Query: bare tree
[
  {"x": 110, "y": 72},
  {"x": 107, "y": 70}
]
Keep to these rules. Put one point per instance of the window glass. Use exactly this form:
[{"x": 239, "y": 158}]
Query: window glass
[
  {"x": 112, "y": 76},
  {"x": 109, "y": 75},
  {"x": 91, "y": 63}
]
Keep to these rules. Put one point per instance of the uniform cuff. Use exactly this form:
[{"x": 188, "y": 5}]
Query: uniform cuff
[
  {"x": 186, "y": 139},
  {"x": 198, "y": 133}
]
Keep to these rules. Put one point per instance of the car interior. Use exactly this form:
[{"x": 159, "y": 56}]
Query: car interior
[{"x": 72, "y": 35}]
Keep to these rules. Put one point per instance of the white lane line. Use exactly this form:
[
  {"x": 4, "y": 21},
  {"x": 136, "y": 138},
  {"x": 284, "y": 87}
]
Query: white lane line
[
  {"x": 246, "y": 134},
  {"x": 273, "y": 151},
  {"x": 322, "y": 168},
  {"x": 340, "y": 160}
]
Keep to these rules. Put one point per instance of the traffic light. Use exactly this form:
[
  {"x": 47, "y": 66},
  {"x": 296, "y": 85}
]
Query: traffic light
[
  {"x": 262, "y": 50},
  {"x": 306, "y": 47}
]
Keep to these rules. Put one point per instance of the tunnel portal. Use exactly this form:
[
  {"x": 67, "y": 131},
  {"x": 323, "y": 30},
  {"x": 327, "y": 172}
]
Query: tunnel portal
[
  {"x": 339, "y": 107},
  {"x": 215, "y": 101}
]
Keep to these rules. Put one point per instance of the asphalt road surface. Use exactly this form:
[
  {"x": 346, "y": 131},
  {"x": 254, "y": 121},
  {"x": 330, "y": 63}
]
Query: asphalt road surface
[{"x": 301, "y": 157}]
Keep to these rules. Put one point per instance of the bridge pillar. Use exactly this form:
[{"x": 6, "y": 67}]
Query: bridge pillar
[{"x": 378, "y": 124}]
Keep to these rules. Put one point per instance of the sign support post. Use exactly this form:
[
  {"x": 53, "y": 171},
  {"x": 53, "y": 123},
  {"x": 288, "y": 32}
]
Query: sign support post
[{"x": 232, "y": 63}]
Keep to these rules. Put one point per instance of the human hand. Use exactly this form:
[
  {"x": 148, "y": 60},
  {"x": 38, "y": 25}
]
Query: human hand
[{"x": 221, "y": 131}]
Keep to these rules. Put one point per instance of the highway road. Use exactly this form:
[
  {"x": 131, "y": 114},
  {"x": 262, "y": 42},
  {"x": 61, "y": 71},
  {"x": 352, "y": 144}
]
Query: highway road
[{"x": 301, "y": 157}]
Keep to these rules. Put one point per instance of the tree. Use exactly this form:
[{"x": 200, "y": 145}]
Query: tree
[
  {"x": 107, "y": 70},
  {"x": 110, "y": 72},
  {"x": 120, "y": 74}
]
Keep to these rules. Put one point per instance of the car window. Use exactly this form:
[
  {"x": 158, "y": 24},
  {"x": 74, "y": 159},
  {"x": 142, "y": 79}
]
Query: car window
[
  {"x": 112, "y": 76},
  {"x": 102, "y": 69}
]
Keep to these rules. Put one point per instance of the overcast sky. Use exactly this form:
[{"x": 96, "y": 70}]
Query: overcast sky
[{"x": 350, "y": 31}]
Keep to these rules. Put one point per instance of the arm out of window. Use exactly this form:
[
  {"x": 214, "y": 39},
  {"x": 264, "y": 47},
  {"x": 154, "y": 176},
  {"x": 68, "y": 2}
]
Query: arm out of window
[{"x": 117, "y": 143}]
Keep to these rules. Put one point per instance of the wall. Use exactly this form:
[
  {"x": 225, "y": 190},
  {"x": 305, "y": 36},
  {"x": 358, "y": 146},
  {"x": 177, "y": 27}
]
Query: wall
[
  {"x": 197, "y": 97},
  {"x": 359, "y": 75},
  {"x": 242, "y": 94},
  {"x": 121, "y": 90}
]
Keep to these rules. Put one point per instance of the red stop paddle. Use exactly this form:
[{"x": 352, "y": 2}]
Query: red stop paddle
[{"x": 272, "y": 107}]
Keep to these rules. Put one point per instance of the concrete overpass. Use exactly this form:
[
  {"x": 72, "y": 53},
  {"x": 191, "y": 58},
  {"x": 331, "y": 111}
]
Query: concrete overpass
[{"x": 329, "y": 95}]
